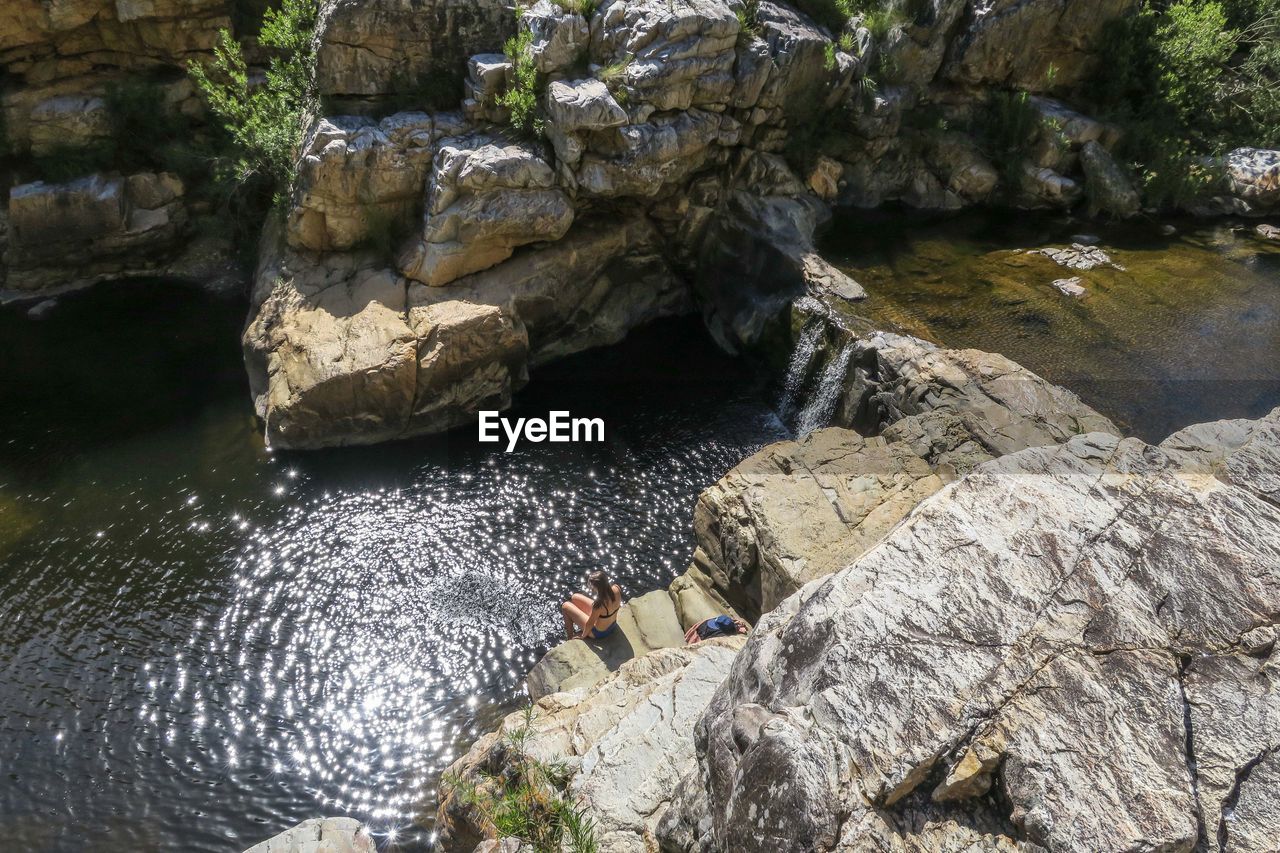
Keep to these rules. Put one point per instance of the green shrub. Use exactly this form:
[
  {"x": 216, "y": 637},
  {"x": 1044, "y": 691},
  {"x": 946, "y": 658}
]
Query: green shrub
[
  {"x": 1189, "y": 79},
  {"x": 265, "y": 122},
  {"x": 522, "y": 97},
  {"x": 527, "y": 802},
  {"x": 1008, "y": 128}
]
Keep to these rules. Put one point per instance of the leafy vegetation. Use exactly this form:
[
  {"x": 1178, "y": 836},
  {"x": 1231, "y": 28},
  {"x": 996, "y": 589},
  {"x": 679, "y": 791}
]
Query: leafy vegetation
[
  {"x": 1186, "y": 79},
  {"x": 527, "y": 802},
  {"x": 264, "y": 119},
  {"x": 521, "y": 97}
]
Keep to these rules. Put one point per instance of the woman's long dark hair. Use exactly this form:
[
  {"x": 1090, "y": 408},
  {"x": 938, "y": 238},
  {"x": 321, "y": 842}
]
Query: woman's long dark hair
[{"x": 604, "y": 589}]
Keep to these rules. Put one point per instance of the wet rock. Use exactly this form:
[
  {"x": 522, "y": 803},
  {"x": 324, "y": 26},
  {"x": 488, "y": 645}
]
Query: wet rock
[
  {"x": 1073, "y": 610},
  {"x": 1109, "y": 188},
  {"x": 41, "y": 309},
  {"x": 1079, "y": 256},
  {"x": 320, "y": 835},
  {"x": 998, "y": 403},
  {"x": 1269, "y": 232},
  {"x": 757, "y": 256}
]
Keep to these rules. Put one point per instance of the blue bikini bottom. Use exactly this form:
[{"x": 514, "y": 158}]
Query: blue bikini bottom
[{"x": 597, "y": 634}]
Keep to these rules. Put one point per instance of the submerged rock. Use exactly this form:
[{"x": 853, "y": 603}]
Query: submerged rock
[
  {"x": 1070, "y": 286},
  {"x": 1063, "y": 628},
  {"x": 1079, "y": 256}
]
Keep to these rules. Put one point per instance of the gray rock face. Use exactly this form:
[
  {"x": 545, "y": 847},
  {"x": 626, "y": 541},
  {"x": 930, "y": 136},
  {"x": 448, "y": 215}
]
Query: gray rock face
[
  {"x": 625, "y": 742},
  {"x": 797, "y": 511},
  {"x": 371, "y": 48},
  {"x": 92, "y": 229},
  {"x": 998, "y": 403},
  {"x": 487, "y": 196},
  {"x": 320, "y": 835},
  {"x": 1109, "y": 188},
  {"x": 356, "y": 176},
  {"x": 991, "y": 49},
  {"x": 675, "y": 55},
  {"x": 1061, "y": 631}
]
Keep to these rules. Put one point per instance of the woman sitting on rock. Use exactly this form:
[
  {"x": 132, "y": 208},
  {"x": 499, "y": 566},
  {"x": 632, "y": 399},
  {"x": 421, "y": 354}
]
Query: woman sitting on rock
[{"x": 594, "y": 618}]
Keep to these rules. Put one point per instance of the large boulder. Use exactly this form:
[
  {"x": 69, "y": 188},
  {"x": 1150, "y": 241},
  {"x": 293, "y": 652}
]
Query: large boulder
[
  {"x": 320, "y": 835},
  {"x": 1109, "y": 189},
  {"x": 623, "y": 744},
  {"x": 1070, "y": 648},
  {"x": 797, "y": 511},
  {"x": 1003, "y": 406},
  {"x": 418, "y": 359}
]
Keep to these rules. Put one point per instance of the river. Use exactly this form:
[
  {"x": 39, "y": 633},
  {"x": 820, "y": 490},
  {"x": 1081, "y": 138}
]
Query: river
[{"x": 204, "y": 643}]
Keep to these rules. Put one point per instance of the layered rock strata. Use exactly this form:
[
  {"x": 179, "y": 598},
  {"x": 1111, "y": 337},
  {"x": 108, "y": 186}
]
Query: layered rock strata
[{"x": 1069, "y": 648}]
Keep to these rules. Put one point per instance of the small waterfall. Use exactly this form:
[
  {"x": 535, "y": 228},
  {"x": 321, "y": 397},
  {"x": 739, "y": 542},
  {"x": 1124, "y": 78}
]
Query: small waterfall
[
  {"x": 798, "y": 368},
  {"x": 818, "y": 411}
]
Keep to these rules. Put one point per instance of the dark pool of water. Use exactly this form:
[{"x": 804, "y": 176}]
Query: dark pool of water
[
  {"x": 203, "y": 643},
  {"x": 1189, "y": 331}
]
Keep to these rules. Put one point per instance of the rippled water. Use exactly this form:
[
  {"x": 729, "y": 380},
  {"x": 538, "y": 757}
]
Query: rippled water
[
  {"x": 1188, "y": 331},
  {"x": 203, "y": 643}
]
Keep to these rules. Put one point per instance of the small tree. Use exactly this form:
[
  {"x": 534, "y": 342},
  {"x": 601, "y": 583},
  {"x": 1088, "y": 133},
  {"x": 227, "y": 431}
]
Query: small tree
[{"x": 265, "y": 119}]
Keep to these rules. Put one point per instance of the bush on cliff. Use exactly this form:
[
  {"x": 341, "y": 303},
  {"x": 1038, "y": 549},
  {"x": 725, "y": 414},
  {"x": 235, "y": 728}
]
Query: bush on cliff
[
  {"x": 265, "y": 119},
  {"x": 525, "y": 802},
  {"x": 1187, "y": 79},
  {"x": 521, "y": 98}
]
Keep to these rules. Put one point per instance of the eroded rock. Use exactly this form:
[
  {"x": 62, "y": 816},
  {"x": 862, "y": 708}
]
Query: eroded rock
[
  {"x": 1075, "y": 609},
  {"x": 626, "y": 742},
  {"x": 488, "y": 196}
]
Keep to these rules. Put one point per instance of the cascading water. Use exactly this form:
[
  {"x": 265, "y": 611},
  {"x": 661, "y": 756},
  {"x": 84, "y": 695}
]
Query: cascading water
[
  {"x": 822, "y": 401},
  {"x": 798, "y": 368}
]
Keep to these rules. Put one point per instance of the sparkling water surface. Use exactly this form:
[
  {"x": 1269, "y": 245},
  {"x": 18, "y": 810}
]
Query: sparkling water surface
[{"x": 204, "y": 643}]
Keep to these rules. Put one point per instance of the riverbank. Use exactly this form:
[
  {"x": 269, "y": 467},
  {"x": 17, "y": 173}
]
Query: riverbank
[{"x": 941, "y": 663}]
